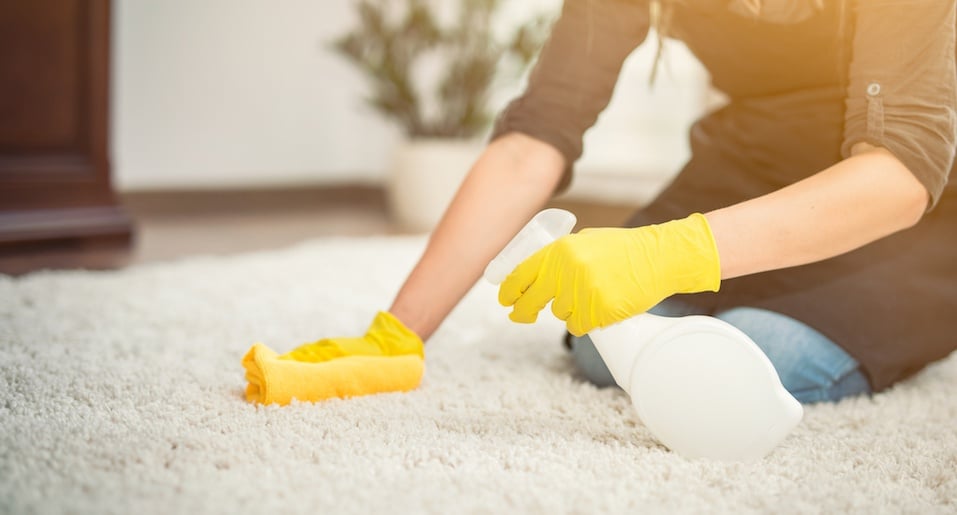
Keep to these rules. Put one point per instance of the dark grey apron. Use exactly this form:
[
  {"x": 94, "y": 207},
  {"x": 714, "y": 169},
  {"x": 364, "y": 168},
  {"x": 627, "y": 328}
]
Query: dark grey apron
[{"x": 892, "y": 304}]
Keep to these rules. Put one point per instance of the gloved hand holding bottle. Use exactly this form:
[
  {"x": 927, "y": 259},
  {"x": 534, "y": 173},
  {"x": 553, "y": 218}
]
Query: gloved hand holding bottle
[{"x": 598, "y": 277}]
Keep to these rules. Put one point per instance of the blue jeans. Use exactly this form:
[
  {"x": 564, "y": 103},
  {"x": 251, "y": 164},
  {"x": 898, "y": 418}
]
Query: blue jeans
[{"x": 811, "y": 367}]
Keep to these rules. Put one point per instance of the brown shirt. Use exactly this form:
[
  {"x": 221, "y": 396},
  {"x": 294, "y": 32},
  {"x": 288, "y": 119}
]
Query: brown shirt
[
  {"x": 803, "y": 90},
  {"x": 897, "y": 57}
]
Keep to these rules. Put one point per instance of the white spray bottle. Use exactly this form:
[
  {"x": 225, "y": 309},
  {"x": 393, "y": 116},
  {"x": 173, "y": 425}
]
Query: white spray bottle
[{"x": 702, "y": 387}]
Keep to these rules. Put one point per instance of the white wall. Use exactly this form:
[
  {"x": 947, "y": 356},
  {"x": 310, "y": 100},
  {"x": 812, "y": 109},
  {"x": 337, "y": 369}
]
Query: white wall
[
  {"x": 240, "y": 93},
  {"x": 641, "y": 140},
  {"x": 218, "y": 93}
]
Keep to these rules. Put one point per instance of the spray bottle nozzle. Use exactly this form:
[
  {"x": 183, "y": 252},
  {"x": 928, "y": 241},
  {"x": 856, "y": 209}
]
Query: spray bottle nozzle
[{"x": 544, "y": 228}]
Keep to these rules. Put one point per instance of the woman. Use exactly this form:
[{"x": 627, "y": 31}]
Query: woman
[{"x": 814, "y": 213}]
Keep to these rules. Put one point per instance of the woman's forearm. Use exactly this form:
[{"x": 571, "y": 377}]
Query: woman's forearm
[
  {"x": 509, "y": 183},
  {"x": 858, "y": 200}
]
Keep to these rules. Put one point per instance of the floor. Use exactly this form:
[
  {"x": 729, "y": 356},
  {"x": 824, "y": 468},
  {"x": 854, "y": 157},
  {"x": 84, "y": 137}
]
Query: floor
[
  {"x": 173, "y": 225},
  {"x": 124, "y": 394}
]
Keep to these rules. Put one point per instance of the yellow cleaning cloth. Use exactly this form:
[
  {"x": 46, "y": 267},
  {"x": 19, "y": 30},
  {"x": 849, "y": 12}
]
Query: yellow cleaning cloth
[
  {"x": 387, "y": 358},
  {"x": 277, "y": 381}
]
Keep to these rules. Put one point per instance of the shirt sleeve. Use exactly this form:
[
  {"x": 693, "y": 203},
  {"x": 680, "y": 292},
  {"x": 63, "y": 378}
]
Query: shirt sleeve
[
  {"x": 575, "y": 75},
  {"x": 902, "y": 85}
]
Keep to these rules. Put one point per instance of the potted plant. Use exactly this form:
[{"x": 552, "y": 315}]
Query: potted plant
[{"x": 398, "y": 46}]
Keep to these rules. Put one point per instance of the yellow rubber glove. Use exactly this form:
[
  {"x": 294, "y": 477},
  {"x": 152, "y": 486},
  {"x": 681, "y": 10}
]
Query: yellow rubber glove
[
  {"x": 386, "y": 336},
  {"x": 598, "y": 277},
  {"x": 388, "y": 358}
]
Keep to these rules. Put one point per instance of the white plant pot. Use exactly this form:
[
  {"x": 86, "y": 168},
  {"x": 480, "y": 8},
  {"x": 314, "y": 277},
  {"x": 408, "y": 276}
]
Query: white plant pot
[{"x": 425, "y": 175}]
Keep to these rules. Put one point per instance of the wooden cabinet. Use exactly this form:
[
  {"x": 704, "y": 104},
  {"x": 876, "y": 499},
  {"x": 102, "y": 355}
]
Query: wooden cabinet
[{"x": 54, "y": 114}]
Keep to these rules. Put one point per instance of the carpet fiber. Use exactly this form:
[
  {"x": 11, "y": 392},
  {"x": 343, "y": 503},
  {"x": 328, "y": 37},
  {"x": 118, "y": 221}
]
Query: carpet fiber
[{"x": 121, "y": 392}]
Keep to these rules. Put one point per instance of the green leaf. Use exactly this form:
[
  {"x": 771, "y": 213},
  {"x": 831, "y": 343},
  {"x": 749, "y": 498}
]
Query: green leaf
[{"x": 387, "y": 52}]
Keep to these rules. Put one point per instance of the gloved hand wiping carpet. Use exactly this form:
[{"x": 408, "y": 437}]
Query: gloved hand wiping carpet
[{"x": 388, "y": 358}]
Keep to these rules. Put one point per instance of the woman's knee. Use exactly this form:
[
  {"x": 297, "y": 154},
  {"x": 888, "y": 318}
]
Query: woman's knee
[
  {"x": 590, "y": 363},
  {"x": 811, "y": 366}
]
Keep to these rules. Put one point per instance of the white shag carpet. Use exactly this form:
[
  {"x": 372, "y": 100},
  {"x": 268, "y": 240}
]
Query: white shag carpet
[{"x": 121, "y": 392}]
